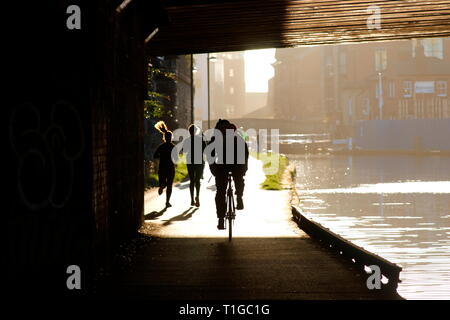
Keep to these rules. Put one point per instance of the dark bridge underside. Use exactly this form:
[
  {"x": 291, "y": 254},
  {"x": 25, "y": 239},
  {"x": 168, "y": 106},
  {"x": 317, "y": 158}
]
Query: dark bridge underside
[{"x": 197, "y": 26}]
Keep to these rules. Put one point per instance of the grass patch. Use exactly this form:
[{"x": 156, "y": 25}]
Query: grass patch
[
  {"x": 181, "y": 171},
  {"x": 273, "y": 180}
]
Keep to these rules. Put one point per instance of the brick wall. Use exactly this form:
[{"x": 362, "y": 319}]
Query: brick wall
[
  {"x": 117, "y": 125},
  {"x": 74, "y": 118}
]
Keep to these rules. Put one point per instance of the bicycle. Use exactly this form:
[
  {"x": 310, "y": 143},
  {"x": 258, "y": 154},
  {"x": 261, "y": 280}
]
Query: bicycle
[{"x": 231, "y": 210}]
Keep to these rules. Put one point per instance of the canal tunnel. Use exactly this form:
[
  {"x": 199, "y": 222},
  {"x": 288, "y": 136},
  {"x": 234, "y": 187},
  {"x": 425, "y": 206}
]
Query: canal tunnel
[{"x": 74, "y": 102}]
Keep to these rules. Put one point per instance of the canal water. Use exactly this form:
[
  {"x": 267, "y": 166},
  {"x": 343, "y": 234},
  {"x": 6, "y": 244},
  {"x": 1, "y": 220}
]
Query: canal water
[{"x": 397, "y": 206}]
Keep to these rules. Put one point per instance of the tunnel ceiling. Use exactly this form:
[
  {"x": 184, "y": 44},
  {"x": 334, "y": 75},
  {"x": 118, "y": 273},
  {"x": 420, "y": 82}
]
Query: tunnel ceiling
[{"x": 197, "y": 26}]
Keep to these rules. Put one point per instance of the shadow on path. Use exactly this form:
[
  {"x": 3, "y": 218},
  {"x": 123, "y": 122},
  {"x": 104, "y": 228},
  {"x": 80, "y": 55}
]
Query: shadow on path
[
  {"x": 154, "y": 214},
  {"x": 270, "y": 268},
  {"x": 182, "y": 217}
]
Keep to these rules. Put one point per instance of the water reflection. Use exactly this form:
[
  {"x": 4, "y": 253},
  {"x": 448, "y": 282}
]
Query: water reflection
[
  {"x": 395, "y": 206},
  {"x": 396, "y": 187}
]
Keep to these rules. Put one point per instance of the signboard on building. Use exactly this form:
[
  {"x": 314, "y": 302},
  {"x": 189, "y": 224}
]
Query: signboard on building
[{"x": 424, "y": 87}]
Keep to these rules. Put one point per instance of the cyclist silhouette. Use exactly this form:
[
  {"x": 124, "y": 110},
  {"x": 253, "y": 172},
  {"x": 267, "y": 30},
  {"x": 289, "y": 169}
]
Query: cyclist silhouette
[{"x": 220, "y": 169}]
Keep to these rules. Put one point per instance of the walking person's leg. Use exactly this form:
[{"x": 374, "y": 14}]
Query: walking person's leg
[
  {"x": 161, "y": 181},
  {"x": 198, "y": 174},
  {"x": 170, "y": 177},
  {"x": 191, "y": 172}
]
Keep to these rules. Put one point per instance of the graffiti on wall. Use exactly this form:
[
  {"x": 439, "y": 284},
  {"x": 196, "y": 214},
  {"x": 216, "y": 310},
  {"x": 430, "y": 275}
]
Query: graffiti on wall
[{"x": 46, "y": 147}]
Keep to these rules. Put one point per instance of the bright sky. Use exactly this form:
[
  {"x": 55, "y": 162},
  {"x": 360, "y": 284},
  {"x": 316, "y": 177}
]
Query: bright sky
[{"x": 258, "y": 69}]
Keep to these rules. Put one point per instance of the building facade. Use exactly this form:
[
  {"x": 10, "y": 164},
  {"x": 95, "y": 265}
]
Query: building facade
[
  {"x": 339, "y": 85},
  {"x": 397, "y": 80},
  {"x": 227, "y": 81}
]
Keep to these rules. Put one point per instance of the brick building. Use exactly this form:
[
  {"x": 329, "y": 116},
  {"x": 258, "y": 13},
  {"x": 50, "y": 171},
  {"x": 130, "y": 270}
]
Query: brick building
[
  {"x": 394, "y": 80},
  {"x": 341, "y": 84},
  {"x": 227, "y": 80},
  {"x": 296, "y": 91}
]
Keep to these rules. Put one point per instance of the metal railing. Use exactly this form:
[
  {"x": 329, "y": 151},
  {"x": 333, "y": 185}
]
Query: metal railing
[{"x": 348, "y": 250}]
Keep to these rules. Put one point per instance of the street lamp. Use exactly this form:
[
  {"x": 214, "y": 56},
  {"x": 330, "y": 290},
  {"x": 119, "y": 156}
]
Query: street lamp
[
  {"x": 380, "y": 96},
  {"x": 208, "y": 59},
  {"x": 193, "y": 70}
]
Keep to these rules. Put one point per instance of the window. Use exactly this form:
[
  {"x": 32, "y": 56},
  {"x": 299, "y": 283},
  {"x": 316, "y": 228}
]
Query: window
[
  {"x": 229, "y": 109},
  {"x": 425, "y": 87},
  {"x": 231, "y": 73},
  {"x": 431, "y": 47},
  {"x": 231, "y": 90},
  {"x": 380, "y": 59},
  {"x": 392, "y": 89},
  {"x": 441, "y": 88},
  {"x": 407, "y": 89}
]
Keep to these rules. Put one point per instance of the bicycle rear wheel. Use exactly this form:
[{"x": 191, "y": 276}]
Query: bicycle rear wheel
[
  {"x": 230, "y": 208},
  {"x": 230, "y": 228}
]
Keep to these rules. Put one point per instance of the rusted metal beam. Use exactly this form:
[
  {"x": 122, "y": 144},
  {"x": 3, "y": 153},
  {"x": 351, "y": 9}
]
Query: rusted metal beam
[{"x": 229, "y": 25}]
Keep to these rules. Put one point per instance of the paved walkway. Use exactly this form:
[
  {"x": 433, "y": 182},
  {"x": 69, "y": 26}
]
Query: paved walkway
[
  {"x": 266, "y": 213},
  {"x": 269, "y": 258}
]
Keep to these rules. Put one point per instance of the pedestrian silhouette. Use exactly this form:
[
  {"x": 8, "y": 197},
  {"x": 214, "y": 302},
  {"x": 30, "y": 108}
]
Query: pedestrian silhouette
[
  {"x": 193, "y": 147},
  {"x": 166, "y": 168}
]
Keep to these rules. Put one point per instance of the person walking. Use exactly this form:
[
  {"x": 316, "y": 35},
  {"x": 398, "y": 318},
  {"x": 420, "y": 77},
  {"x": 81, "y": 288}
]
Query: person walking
[
  {"x": 166, "y": 168},
  {"x": 194, "y": 146}
]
